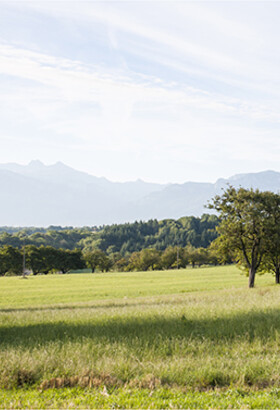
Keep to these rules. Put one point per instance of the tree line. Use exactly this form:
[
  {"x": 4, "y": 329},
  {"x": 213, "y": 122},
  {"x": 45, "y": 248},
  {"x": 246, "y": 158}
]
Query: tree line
[
  {"x": 46, "y": 259},
  {"x": 43, "y": 259},
  {"x": 133, "y": 237},
  {"x": 173, "y": 257},
  {"x": 124, "y": 238},
  {"x": 246, "y": 231},
  {"x": 130, "y": 246}
]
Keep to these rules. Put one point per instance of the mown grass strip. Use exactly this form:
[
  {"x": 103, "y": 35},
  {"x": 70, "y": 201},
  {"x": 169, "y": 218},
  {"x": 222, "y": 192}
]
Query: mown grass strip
[{"x": 125, "y": 398}]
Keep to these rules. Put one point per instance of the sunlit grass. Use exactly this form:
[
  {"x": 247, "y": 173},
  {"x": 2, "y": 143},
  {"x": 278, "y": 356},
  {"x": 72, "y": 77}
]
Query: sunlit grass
[
  {"x": 52, "y": 289},
  {"x": 191, "y": 330},
  {"x": 128, "y": 398}
]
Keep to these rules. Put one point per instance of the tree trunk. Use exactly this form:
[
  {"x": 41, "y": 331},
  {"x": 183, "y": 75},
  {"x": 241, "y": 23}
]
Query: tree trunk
[
  {"x": 252, "y": 274},
  {"x": 277, "y": 275}
]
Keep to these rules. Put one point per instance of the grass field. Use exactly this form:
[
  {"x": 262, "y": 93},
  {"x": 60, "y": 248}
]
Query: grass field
[{"x": 187, "y": 338}]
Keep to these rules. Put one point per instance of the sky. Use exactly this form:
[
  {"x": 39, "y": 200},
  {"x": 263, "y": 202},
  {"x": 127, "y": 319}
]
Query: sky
[{"x": 164, "y": 91}]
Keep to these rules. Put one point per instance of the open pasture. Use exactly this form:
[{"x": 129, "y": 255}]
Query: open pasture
[
  {"x": 80, "y": 288},
  {"x": 149, "y": 338}
]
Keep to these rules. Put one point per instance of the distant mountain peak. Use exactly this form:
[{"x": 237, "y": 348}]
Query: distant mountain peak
[
  {"x": 36, "y": 163},
  {"x": 60, "y": 164},
  {"x": 265, "y": 173},
  {"x": 57, "y": 194}
]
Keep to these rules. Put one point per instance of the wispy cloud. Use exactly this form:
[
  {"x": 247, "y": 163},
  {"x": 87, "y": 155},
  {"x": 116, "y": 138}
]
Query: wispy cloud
[
  {"x": 184, "y": 80},
  {"x": 70, "y": 81}
]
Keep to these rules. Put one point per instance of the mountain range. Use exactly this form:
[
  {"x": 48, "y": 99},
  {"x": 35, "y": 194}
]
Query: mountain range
[{"x": 42, "y": 195}]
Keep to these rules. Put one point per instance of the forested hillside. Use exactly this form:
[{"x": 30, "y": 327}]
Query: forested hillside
[
  {"x": 198, "y": 232},
  {"x": 123, "y": 238}
]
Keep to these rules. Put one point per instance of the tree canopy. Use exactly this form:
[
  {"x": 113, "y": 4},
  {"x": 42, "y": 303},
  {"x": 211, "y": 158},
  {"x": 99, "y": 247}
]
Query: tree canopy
[{"x": 249, "y": 225}]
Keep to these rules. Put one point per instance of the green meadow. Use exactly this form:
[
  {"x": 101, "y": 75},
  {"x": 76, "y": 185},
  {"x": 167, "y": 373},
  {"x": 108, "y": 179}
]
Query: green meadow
[{"x": 186, "y": 339}]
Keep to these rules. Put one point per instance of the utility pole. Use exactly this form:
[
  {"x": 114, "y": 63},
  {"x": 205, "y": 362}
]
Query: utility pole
[{"x": 23, "y": 261}]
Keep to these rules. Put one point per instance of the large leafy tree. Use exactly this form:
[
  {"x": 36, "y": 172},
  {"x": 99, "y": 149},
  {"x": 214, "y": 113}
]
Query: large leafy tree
[
  {"x": 243, "y": 228},
  {"x": 10, "y": 260},
  {"x": 96, "y": 259},
  {"x": 144, "y": 260},
  {"x": 67, "y": 260},
  {"x": 271, "y": 260},
  {"x": 169, "y": 258},
  {"x": 34, "y": 259}
]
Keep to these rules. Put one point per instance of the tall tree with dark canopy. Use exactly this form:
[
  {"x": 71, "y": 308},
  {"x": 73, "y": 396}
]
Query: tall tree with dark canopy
[
  {"x": 271, "y": 260},
  {"x": 243, "y": 229}
]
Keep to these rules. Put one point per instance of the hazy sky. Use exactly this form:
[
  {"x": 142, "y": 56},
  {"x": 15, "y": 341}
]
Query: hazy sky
[{"x": 165, "y": 91}]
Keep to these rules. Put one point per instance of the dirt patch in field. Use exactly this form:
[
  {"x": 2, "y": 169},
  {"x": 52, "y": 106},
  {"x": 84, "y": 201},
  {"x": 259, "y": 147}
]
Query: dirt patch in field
[{"x": 81, "y": 381}]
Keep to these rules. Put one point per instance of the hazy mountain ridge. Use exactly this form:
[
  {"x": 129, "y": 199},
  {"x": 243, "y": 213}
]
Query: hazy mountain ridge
[{"x": 42, "y": 195}]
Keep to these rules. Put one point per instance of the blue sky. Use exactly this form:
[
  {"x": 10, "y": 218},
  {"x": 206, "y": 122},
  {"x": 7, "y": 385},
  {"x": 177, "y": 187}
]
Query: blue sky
[{"x": 165, "y": 91}]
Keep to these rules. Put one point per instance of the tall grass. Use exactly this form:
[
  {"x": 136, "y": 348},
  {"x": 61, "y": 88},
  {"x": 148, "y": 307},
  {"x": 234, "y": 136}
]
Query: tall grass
[{"x": 181, "y": 335}]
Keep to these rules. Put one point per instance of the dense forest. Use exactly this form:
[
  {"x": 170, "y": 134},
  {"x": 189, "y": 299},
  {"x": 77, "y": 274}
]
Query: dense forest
[
  {"x": 165, "y": 244},
  {"x": 124, "y": 238}
]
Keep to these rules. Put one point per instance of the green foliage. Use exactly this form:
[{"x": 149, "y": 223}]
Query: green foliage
[
  {"x": 41, "y": 259},
  {"x": 45, "y": 259},
  {"x": 271, "y": 259},
  {"x": 135, "y": 246},
  {"x": 97, "y": 259},
  {"x": 35, "y": 260},
  {"x": 135, "y": 398},
  {"x": 66, "y": 260},
  {"x": 10, "y": 260},
  {"x": 133, "y": 237},
  {"x": 246, "y": 224},
  {"x": 64, "y": 239},
  {"x": 144, "y": 260},
  {"x": 169, "y": 257},
  {"x": 123, "y": 238}
]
